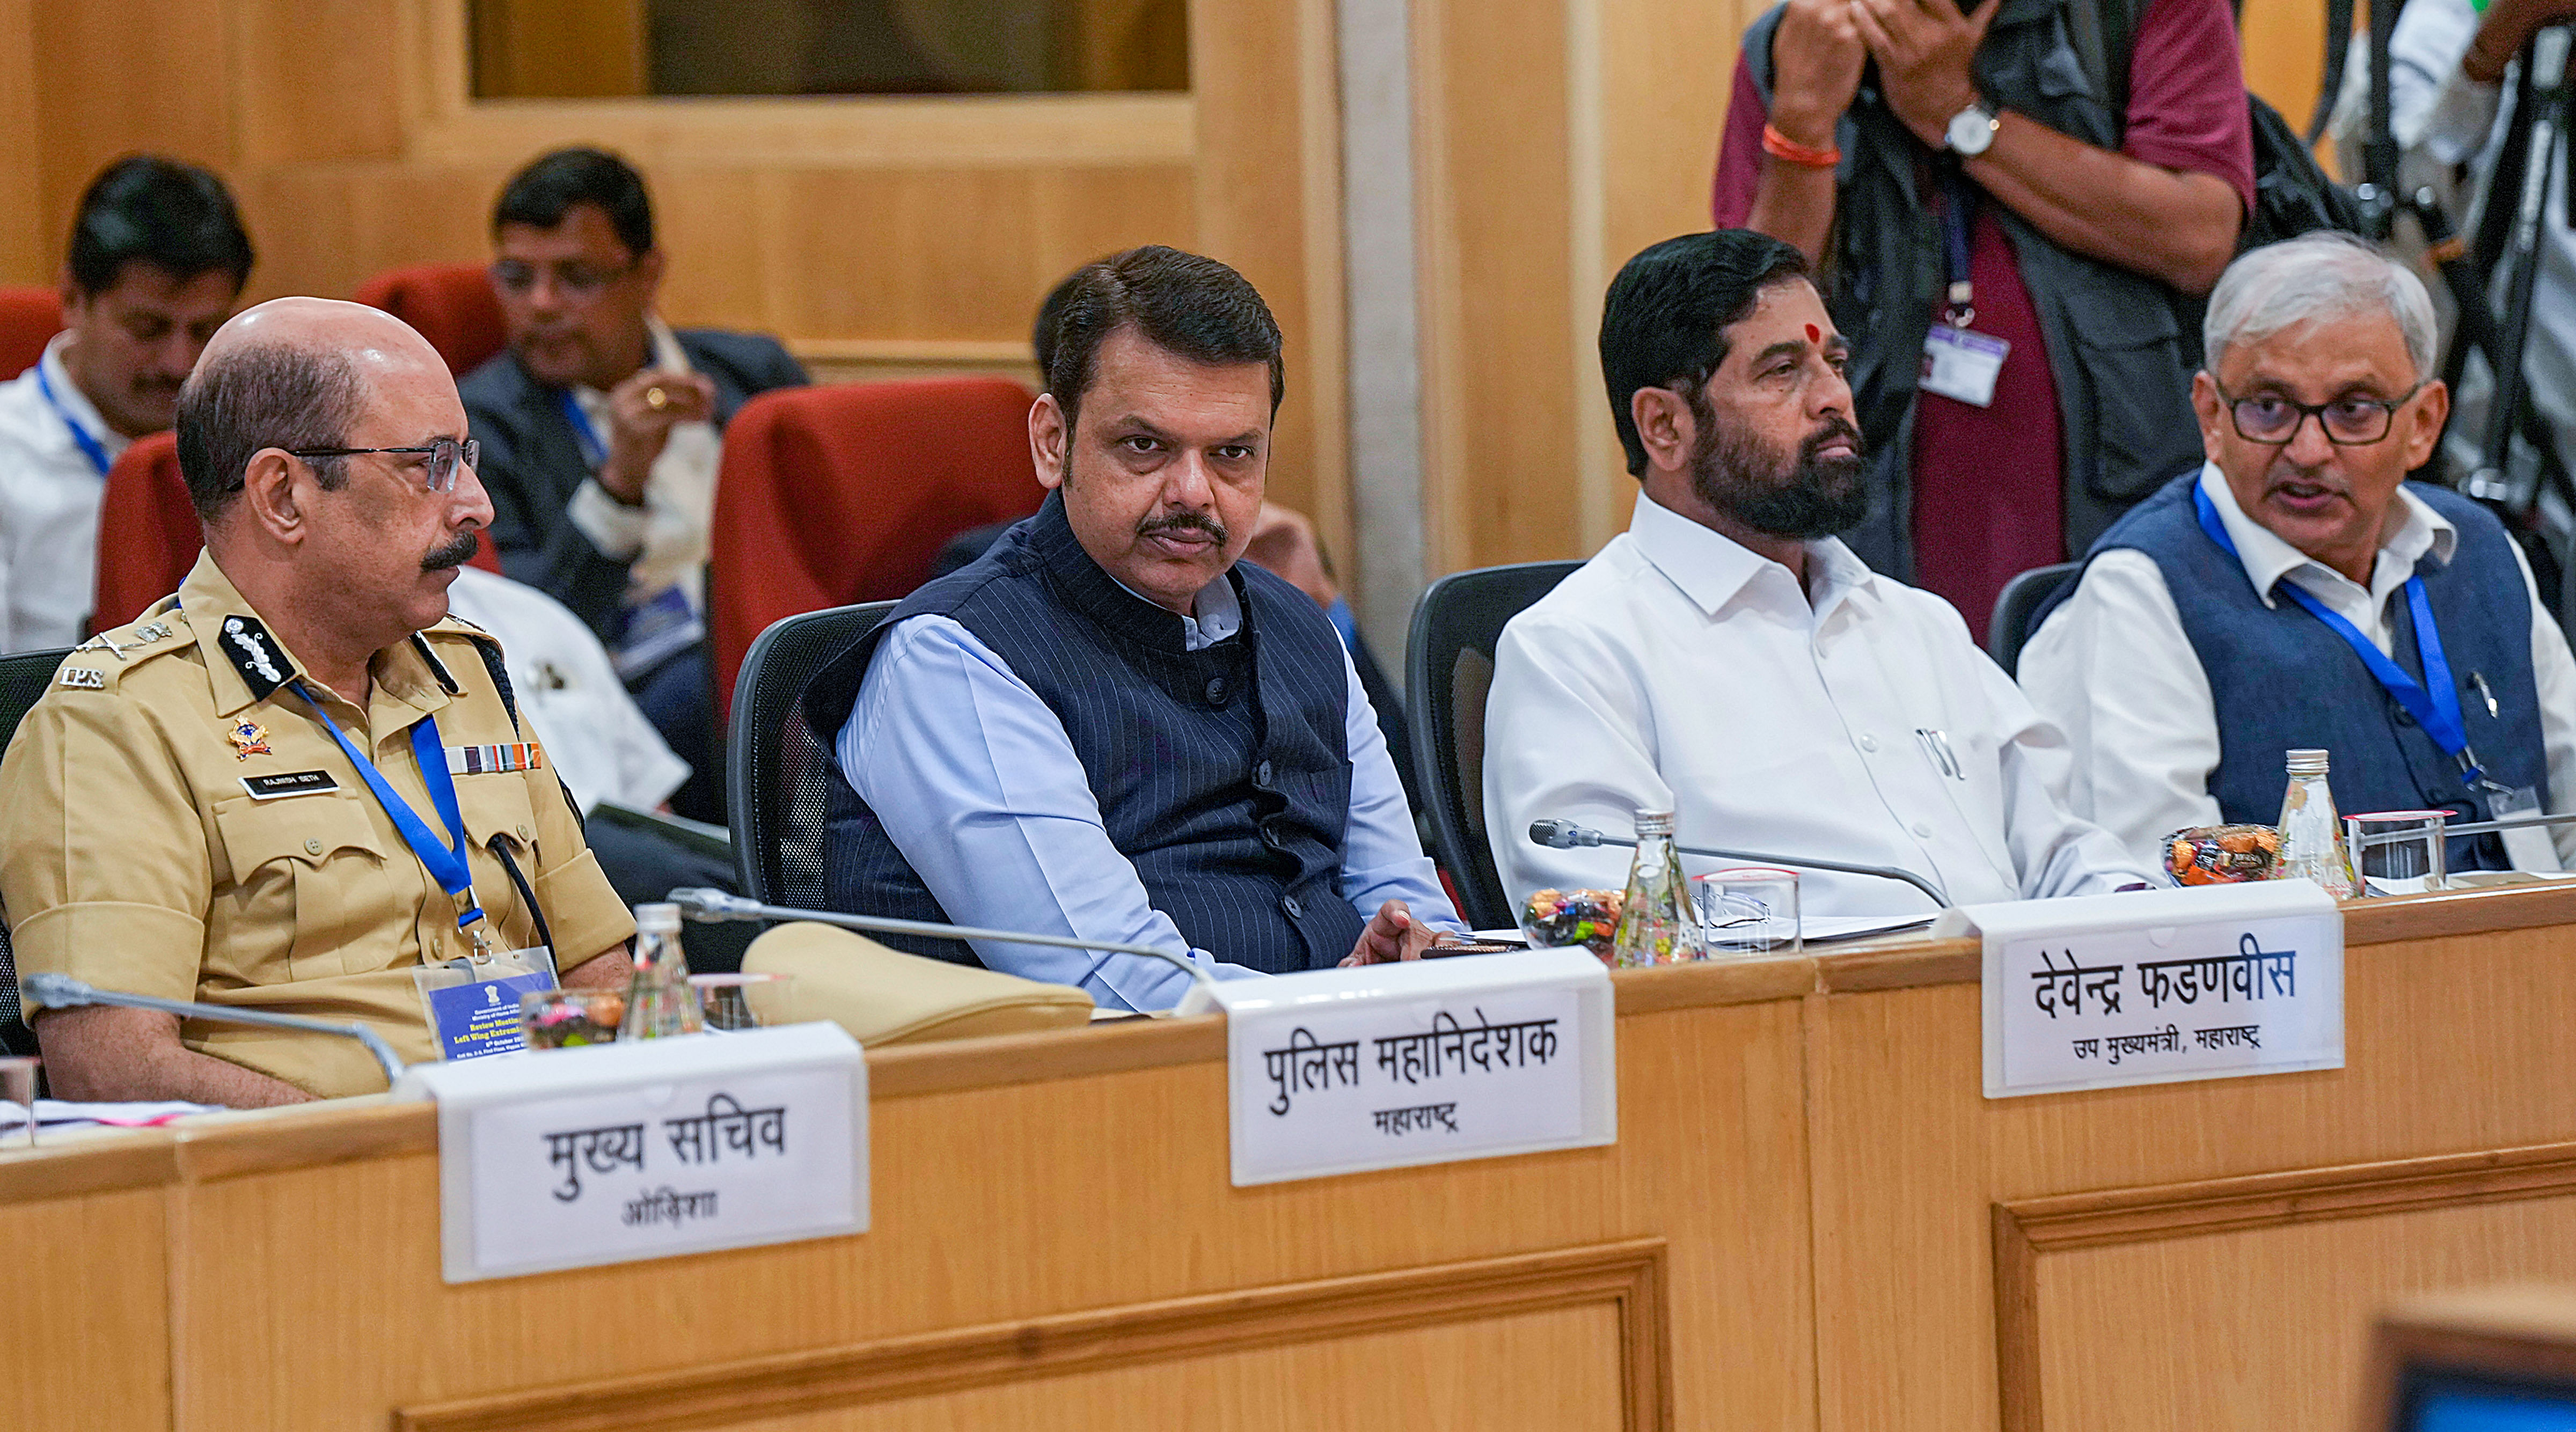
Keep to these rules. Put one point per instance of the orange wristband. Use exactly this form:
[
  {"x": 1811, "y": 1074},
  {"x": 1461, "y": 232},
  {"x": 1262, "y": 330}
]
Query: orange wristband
[{"x": 1781, "y": 147}]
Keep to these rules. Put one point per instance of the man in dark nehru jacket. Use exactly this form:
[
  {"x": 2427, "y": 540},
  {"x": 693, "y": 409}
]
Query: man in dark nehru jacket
[
  {"x": 297, "y": 780},
  {"x": 602, "y": 428},
  {"x": 1107, "y": 726}
]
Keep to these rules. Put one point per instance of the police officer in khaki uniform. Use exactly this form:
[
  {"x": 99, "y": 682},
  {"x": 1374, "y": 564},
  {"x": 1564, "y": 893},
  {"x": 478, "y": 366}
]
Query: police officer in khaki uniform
[{"x": 193, "y": 810}]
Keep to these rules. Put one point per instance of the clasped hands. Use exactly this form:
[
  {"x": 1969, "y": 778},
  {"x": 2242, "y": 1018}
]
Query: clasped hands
[{"x": 1923, "y": 49}]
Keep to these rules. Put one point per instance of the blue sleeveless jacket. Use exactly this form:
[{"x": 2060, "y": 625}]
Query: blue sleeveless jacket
[
  {"x": 2281, "y": 679},
  {"x": 1223, "y": 774}
]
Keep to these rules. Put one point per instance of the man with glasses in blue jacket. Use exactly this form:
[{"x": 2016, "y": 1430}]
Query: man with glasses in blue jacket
[
  {"x": 602, "y": 428},
  {"x": 2297, "y": 591}
]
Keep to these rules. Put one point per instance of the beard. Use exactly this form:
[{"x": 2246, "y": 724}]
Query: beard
[
  {"x": 1801, "y": 495},
  {"x": 453, "y": 554}
]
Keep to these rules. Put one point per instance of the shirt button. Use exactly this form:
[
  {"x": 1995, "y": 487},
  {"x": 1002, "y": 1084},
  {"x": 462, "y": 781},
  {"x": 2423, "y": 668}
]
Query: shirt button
[
  {"x": 1216, "y": 691},
  {"x": 1869, "y": 743},
  {"x": 1272, "y": 838},
  {"x": 1922, "y": 831},
  {"x": 313, "y": 847},
  {"x": 523, "y": 832},
  {"x": 1261, "y": 775},
  {"x": 1295, "y": 910}
]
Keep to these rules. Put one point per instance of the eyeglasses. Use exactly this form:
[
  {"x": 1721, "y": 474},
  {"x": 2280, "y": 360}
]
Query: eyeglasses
[
  {"x": 2346, "y": 422},
  {"x": 575, "y": 280},
  {"x": 445, "y": 456}
]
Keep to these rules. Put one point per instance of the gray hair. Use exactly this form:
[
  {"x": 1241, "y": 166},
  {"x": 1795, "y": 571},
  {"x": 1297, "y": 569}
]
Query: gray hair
[
  {"x": 262, "y": 394},
  {"x": 2319, "y": 275}
]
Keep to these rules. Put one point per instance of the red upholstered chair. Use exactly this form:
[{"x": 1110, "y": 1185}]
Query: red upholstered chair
[
  {"x": 29, "y": 317},
  {"x": 452, "y": 306},
  {"x": 840, "y": 494},
  {"x": 148, "y": 536},
  {"x": 147, "y": 532}
]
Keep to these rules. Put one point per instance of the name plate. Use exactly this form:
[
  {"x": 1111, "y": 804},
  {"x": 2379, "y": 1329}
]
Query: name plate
[
  {"x": 2154, "y": 987},
  {"x": 1385, "y": 1066},
  {"x": 576, "y": 1157}
]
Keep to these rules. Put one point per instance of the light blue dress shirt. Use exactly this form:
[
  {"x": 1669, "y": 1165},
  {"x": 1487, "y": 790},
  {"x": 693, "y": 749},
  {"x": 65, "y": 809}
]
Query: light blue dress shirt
[{"x": 979, "y": 787}]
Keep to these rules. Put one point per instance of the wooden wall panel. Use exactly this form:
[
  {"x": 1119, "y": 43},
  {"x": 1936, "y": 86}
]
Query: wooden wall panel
[
  {"x": 1095, "y": 1200},
  {"x": 1493, "y": 169},
  {"x": 89, "y": 1342},
  {"x": 25, "y": 256},
  {"x": 2266, "y": 1328},
  {"x": 1911, "y": 1157}
]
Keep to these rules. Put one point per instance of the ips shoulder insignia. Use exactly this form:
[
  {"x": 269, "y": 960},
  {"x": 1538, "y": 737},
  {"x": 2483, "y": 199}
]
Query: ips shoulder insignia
[
  {"x": 83, "y": 678},
  {"x": 253, "y": 653}
]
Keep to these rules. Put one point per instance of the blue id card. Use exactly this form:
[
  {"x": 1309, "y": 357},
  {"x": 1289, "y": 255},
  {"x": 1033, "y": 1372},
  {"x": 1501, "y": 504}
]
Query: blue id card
[{"x": 472, "y": 1015}]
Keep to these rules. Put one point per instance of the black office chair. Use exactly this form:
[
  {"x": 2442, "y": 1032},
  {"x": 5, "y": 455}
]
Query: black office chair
[
  {"x": 2021, "y": 596},
  {"x": 23, "y": 678},
  {"x": 777, "y": 768},
  {"x": 1449, "y": 666}
]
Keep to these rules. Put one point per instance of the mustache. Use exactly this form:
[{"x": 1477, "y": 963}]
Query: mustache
[
  {"x": 1834, "y": 426},
  {"x": 454, "y": 554},
  {"x": 1200, "y": 523}
]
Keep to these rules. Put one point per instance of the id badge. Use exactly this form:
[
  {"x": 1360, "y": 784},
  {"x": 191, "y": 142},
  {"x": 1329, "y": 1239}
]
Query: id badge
[
  {"x": 475, "y": 1012},
  {"x": 2529, "y": 848},
  {"x": 1962, "y": 365}
]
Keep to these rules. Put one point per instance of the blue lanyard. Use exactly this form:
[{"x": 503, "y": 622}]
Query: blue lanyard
[
  {"x": 593, "y": 451},
  {"x": 90, "y": 447},
  {"x": 1958, "y": 212},
  {"x": 446, "y": 864},
  {"x": 2437, "y": 710}
]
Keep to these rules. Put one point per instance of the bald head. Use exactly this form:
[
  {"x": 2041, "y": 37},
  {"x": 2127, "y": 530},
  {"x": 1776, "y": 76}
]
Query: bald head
[{"x": 289, "y": 373}]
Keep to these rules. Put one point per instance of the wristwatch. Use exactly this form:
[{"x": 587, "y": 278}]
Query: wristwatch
[{"x": 1973, "y": 129}]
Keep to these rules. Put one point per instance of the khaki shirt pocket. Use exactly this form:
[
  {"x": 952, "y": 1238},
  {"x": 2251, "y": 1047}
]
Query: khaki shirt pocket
[
  {"x": 496, "y": 804},
  {"x": 311, "y": 895}
]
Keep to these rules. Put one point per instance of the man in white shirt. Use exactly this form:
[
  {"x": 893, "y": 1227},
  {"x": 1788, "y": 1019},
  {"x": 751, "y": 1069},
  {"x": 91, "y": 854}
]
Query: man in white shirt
[
  {"x": 2296, "y": 591},
  {"x": 1729, "y": 660},
  {"x": 157, "y": 260}
]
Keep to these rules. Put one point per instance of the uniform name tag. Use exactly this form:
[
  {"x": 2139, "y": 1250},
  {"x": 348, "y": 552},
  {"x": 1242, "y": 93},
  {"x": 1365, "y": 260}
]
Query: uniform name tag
[
  {"x": 291, "y": 783},
  {"x": 487, "y": 760},
  {"x": 1962, "y": 365}
]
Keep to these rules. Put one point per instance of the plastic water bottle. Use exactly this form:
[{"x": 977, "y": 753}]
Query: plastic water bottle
[
  {"x": 659, "y": 1001},
  {"x": 1656, "y": 924},
  {"x": 2312, "y": 843}
]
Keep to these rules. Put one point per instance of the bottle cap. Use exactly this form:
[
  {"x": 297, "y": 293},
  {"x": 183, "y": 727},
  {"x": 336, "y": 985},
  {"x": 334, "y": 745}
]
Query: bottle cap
[
  {"x": 661, "y": 919},
  {"x": 2308, "y": 762},
  {"x": 1654, "y": 823}
]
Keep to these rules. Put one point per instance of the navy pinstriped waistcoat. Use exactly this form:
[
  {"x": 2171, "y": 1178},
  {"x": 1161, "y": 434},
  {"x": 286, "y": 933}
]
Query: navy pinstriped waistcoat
[{"x": 1222, "y": 774}]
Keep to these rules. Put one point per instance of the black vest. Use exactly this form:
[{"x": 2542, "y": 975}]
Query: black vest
[
  {"x": 2282, "y": 680},
  {"x": 1222, "y": 774},
  {"x": 2121, "y": 346}
]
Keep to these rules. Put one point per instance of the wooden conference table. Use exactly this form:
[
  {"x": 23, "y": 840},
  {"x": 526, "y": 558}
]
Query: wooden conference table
[{"x": 1811, "y": 1219}]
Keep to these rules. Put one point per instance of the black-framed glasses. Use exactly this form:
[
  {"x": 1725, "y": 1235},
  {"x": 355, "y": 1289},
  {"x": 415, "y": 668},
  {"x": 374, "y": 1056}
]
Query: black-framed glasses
[
  {"x": 2349, "y": 421},
  {"x": 574, "y": 279},
  {"x": 445, "y": 456}
]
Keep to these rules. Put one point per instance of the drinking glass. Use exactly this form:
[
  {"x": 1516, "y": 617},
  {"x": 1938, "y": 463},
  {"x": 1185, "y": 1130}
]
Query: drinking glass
[
  {"x": 746, "y": 1001},
  {"x": 2419, "y": 853},
  {"x": 18, "y": 1086},
  {"x": 1752, "y": 910}
]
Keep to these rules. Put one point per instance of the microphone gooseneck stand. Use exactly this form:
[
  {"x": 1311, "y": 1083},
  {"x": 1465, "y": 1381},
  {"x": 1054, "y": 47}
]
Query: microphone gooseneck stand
[
  {"x": 1566, "y": 835},
  {"x": 56, "y": 991},
  {"x": 708, "y": 905}
]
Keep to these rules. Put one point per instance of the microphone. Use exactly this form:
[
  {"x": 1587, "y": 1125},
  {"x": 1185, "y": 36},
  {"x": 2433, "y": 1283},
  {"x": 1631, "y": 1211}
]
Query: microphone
[
  {"x": 55, "y": 991},
  {"x": 1566, "y": 835},
  {"x": 708, "y": 906}
]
